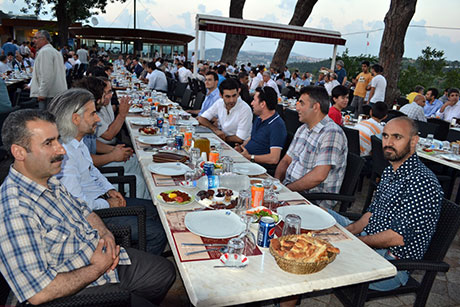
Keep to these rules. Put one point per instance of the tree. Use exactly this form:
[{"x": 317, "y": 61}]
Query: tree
[
  {"x": 67, "y": 12},
  {"x": 301, "y": 13},
  {"x": 396, "y": 21},
  {"x": 233, "y": 42}
]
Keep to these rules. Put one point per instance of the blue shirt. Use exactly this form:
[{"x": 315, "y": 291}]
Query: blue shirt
[
  {"x": 209, "y": 100},
  {"x": 221, "y": 78},
  {"x": 5, "y": 103},
  {"x": 90, "y": 142},
  {"x": 44, "y": 232},
  {"x": 407, "y": 201},
  {"x": 431, "y": 109},
  {"x": 270, "y": 133},
  {"x": 341, "y": 74},
  {"x": 9, "y": 47}
]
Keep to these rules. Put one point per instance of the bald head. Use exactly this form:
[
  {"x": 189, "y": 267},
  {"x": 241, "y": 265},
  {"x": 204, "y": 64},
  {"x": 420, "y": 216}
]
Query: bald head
[
  {"x": 407, "y": 123},
  {"x": 420, "y": 100}
]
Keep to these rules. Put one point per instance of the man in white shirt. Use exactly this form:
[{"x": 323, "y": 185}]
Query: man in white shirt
[
  {"x": 450, "y": 109},
  {"x": 182, "y": 57},
  {"x": 157, "y": 78},
  {"x": 331, "y": 82},
  {"x": 234, "y": 116},
  {"x": 267, "y": 81},
  {"x": 287, "y": 73},
  {"x": 76, "y": 117},
  {"x": 415, "y": 110},
  {"x": 3, "y": 64},
  {"x": 378, "y": 84},
  {"x": 183, "y": 73}
]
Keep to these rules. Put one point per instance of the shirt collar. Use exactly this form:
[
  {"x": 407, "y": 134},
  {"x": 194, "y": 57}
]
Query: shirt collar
[
  {"x": 270, "y": 119},
  {"x": 75, "y": 143},
  {"x": 30, "y": 187},
  {"x": 319, "y": 126},
  {"x": 407, "y": 167}
]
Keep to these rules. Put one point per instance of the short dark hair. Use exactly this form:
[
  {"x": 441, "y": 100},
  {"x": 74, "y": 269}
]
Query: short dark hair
[
  {"x": 453, "y": 90},
  {"x": 221, "y": 69},
  {"x": 377, "y": 68},
  {"x": 419, "y": 88},
  {"x": 317, "y": 94},
  {"x": 14, "y": 130},
  {"x": 338, "y": 91},
  {"x": 268, "y": 95},
  {"x": 367, "y": 63},
  {"x": 95, "y": 85},
  {"x": 434, "y": 91},
  {"x": 213, "y": 74},
  {"x": 151, "y": 65},
  {"x": 228, "y": 84},
  {"x": 242, "y": 74},
  {"x": 379, "y": 110},
  {"x": 2, "y": 58}
]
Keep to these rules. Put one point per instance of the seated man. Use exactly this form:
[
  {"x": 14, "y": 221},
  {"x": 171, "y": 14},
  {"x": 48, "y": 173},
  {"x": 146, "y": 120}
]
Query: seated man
[
  {"x": 317, "y": 157},
  {"x": 451, "y": 108},
  {"x": 339, "y": 97},
  {"x": 76, "y": 117},
  {"x": 267, "y": 81},
  {"x": 268, "y": 131},
  {"x": 370, "y": 127},
  {"x": 432, "y": 105},
  {"x": 156, "y": 78},
  {"x": 212, "y": 93},
  {"x": 415, "y": 110},
  {"x": 234, "y": 116},
  {"x": 51, "y": 244}
]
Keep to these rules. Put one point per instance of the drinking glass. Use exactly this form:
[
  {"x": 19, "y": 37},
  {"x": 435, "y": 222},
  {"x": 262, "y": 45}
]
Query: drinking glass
[
  {"x": 227, "y": 164},
  {"x": 244, "y": 204},
  {"x": 292, "y": 224},
  {"x": 270, "y": 200},
  {"x": 455, "y": 148},
  {"x": 189, "y": 178},
  {"x": 235, "y": 247},
  {"x": 429, "y": 140},
  {"x": 268, "y": 184},
  {"x": 171, "y": 142},
  {"x": 194, "y": 156}
]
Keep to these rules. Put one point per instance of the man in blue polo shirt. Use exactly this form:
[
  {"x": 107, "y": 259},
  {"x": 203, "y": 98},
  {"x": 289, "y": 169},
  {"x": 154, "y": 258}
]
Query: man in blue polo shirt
[{"x": 268, "y": 130}]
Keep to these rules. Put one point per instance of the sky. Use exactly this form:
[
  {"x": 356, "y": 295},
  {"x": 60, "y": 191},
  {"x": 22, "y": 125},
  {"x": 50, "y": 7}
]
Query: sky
[{"x": 345, "y": 16}]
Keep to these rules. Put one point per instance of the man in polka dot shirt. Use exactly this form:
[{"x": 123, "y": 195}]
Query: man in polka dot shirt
[{"x": 402, "y": 218}]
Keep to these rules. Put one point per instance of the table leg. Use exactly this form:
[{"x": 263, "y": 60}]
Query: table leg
[{"x": 352, "y": 296}]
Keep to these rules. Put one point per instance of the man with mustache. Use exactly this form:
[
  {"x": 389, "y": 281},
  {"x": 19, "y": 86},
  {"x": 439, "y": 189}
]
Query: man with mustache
[
  {"x": 76, "y": 117},
  {"x": 51, "y": 244}
]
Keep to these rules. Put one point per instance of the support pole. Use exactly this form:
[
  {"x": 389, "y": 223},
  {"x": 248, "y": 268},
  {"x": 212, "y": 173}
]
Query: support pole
[
  {"x": 203, "y": 44},
  {"x": 334, "y": 55},
  {"x": 197, "y": 36},
  {"x": 134, "y": 14}
]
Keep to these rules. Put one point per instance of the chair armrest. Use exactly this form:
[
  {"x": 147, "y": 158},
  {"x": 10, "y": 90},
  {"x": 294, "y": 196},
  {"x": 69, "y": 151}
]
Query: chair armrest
[
  {"x": 138, "y": 211},
  {"x": 424, "y": 265},
  {"x": 112, "y": 169},
  {"x": 121, "y": 180},
  {"x": 121, "y": 233},
  {"x": 328, "y": 196}
]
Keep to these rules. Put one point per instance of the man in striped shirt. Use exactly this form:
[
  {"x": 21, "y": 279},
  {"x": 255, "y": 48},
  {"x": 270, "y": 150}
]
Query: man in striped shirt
[{"x": 371, "y": 127}]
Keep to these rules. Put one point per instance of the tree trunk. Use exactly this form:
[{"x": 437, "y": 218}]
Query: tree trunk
[
  {"x": 233, "y": 42},
  {"x": 302, "y": 11},
  {"x": 397, "y": 21},
  {"x": 62, "y": 21}
]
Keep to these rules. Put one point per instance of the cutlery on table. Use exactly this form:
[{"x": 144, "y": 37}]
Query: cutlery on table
[
  {"x": 230, "y": 266},
  {"x": 326, "y": 234},
  {"x": 221, "y": 249},
  {"x": 203, "y": 244}
]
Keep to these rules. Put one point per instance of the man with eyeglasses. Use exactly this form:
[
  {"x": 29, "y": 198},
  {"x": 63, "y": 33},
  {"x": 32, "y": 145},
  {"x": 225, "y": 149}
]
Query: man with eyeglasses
[
  {"x": 49, "y": 77},
  {"x": 212, "y": 93}
]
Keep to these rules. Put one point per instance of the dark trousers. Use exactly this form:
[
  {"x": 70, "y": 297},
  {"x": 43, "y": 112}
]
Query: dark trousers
[
  {"x": 156, "y": 237},
  {"x": 148, "y": 279}
]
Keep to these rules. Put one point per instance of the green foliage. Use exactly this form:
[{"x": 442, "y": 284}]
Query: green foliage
[
  {"x": 353, "y": 63},
  {"x": 429, "y": 70}
]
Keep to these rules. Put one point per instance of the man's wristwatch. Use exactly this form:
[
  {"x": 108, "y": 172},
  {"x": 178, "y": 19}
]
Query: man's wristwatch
[{"x": 252, "y": 158}]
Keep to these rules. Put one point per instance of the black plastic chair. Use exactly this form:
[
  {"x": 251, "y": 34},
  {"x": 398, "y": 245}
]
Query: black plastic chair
[
  {"x": 393, "y": 114},
  {"x": 179, "y": 90},
  {"x": 291, "y": 119},
  {"x": 198, "y": 101},
  {"x": 431, "y": 264},
  {"x": 346, "y": 196},
  {"x": 426, "y": 128},
  {"x": 352, "y": 139},
  {"x": 443, "y": 128},
  {"x": 453, "y": 135},
  {"x": 185, "y": 100},
  {"x": 401, "y": 101}
]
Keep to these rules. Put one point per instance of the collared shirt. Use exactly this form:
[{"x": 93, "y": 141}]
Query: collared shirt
[
  {"x": 449, "y": 112},
  {"x": 267, "y": 134},
  {"x": 4, "y": 67},
  {"x": 107, "y": 117},
  {"x": 414, "y": 111},
  {"x": 407, "y": 201},
  {"x": 324, "y": 144},
  {"x": 44, "y": 232},
  {"x": 209, "y": 100},
  {"x": 273, "y": 85},
  {"x": 183, "y": 74},
  {"x": 295, "y": 82},
  {"x": 157, "y": 80},
  {"x": 237, "y": 121},
  {"x": 329, "y": 86},
  {"x": 368, "y": 128},
  {"x": 221, "y": 79},
  {"x": 430, "y": 109},
  {"x": 81, "y": 178}
]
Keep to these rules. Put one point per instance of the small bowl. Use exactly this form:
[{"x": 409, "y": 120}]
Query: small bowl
[{"x": 234, "y": 260}]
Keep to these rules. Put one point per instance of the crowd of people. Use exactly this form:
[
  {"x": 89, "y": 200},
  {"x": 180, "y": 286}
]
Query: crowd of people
[{"x": 54, "y": 184}]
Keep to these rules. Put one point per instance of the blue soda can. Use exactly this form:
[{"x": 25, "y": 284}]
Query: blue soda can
[
  {"x": 179, "y": 141},
  {"x": 266, "y": 231},
  {"x": 160, "y": 122},
  {"x": 208, "y": 168}
]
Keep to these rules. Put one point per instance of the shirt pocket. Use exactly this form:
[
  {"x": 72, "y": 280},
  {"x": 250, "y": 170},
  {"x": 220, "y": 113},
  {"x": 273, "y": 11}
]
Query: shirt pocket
[{"x": 57, "y": 240}]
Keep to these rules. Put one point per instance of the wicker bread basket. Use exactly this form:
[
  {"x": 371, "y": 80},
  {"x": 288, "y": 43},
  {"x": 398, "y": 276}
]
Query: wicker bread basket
[{"x": 301, "y": 268}]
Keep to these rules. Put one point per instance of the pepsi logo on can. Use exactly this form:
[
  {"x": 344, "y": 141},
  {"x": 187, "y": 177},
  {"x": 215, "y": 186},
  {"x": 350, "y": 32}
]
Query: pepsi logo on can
[{"x": 266, "y": 231}]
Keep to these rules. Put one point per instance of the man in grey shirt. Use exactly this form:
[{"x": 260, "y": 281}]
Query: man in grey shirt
[{"x": 83, "y": 56}]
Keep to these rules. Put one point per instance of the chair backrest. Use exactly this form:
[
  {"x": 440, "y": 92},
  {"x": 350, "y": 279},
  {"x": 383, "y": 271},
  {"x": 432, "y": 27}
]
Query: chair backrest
[
  {"x": 285, "y": 91},
  {"x": 353, "y": 139},
  {"x": 393, "y": 114},
  {"x": 292, "y": 122},
  {"x": 350, "y": 180},
  {"x": 198, "y": 102},
  {"x": 185, "y": 101},
  {"x": 379, "y": 163},
  {"x": 401, "y": 101},
  {"x": 443, "y": 128},
  {"x": 453, "y": 135},
  {"x": 446, "y": 229},
  {"x": 426, "y": 128},
  {"x": 180, "y": 89},
  {"x": 280, "y": 109}
]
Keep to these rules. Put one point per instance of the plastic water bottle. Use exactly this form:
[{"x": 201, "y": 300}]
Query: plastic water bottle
[
  {"x": 230, "y": 181},
  {"x": 17, "y": 73}
]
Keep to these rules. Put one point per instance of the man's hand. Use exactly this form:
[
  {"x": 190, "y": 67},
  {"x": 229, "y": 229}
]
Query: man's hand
[
  {"x": 121, "y": 153},
  {"x": 41, "y": 98},
  {"x": 245, "y": 153},
  {"x": 220, "y": 133},
  {"x": 102, "y": 257},
  {"x": 238, "y": 148},
  {"x": 123, "y": 108},
  {"x": 110, "y": 241},
  {"x": 116, "y": 199}
]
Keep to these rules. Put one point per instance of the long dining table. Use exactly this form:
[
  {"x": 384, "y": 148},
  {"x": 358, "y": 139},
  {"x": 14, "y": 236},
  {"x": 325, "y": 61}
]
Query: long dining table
[{"x": 262, "y": 279}]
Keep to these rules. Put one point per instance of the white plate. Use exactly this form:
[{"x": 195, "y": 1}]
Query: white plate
[
  {"x": 249, "y": 169},
  {"x": 136, "y": 110},
  {"x": 450, "y": 157},
  {"x": 141, "y": 121},
  {"x": 215, "y": 224},
  {"x": 191, "y": 122},
  {"x": 313, "y": 217},
  {"x": 152, "y": 140},
  {"x": 169, "y": 168}
]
